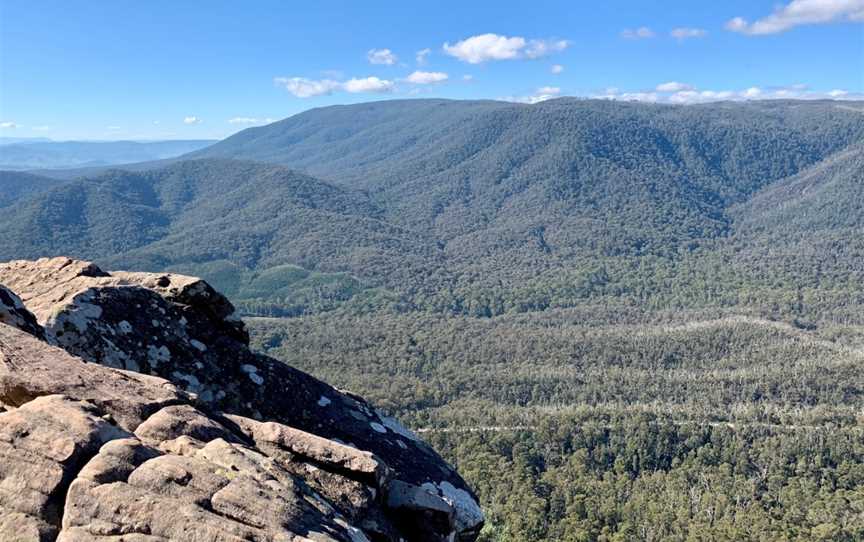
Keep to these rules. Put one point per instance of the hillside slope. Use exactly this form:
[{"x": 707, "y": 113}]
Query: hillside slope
[
  {"x": 564, "y": 176},
  {"x": 224, "y": 218},
  {"x": 472, "y": 207},
  {"x": 827, "y": 197},
  {"x": 17, "y": 185}
]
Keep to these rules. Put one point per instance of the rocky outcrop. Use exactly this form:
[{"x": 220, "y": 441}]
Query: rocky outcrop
[
  {"x": 137, "y": 399},
  {"x": 30, "y": 368},
  {"x": 13, "y": 313}
]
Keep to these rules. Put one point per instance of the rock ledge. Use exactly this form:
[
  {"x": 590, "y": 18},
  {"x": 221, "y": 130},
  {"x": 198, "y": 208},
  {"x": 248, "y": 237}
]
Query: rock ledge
[{"x": 131, "y": 408}]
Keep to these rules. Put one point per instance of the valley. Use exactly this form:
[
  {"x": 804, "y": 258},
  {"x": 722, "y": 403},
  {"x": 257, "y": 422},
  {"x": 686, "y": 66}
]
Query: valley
[{"x": 618, "y": 321}]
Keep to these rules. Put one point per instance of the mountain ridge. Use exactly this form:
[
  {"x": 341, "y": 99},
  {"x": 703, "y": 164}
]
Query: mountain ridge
[{"x": 515, "y": 207}]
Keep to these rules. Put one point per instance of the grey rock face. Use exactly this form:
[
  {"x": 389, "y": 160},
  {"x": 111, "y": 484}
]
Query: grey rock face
[
  {"x": 182, "y": 433},
  {"x": 13, "y": 313}
]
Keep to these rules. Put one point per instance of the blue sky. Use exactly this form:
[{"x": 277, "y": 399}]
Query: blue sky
[{"x": 126, "y": 69}]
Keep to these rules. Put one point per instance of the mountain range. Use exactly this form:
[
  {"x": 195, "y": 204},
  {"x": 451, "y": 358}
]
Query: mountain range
[
  {"x": 465, "y": 207},
  {"x": 41, "y": 153},
  {"x": 620, "y": 321}
]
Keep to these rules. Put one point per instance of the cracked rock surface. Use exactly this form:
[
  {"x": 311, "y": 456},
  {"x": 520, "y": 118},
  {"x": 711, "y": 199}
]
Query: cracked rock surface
[{"x": 131, "y": 408}]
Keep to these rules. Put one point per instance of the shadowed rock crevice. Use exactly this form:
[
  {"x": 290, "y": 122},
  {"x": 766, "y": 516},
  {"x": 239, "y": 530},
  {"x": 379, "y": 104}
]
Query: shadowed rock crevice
[{"x": 143, "y": 414}]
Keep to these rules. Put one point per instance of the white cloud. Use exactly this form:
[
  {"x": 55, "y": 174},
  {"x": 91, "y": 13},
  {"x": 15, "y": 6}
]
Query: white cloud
[
  {"x": 673, "y": 86},
  {"x": 8, "y": 125},
  {"x": 485, "y": 47},
  {"x": 307, "y": 88},
  {"x": 367, "y": 84},
  {"x": 477, "y": 49},
  {"x": 685, "y": 94},
  {"x": 44, "y": 128},
  {"x": 798, "y": 13},
  {"x": 426, "y": 78},
  {"x": 736, "y": 24},
  {"x": 684, "y": 33},
  {"x": 548, "y": 90},
  {"x": 381, "y": 56},
  {"x": 541, "y": 48},
  {"x": 191, "y": 120},
  {"x": 250, "y": 120},
  {"x": 615, "y": 94},
  {"x": 692, "y": 96},
  {"x": 643, "y": 32},
  {"x": 540, "y": 95},
  {"x": 556, "y": 69},
  {"x": 422, "y": 55},
  {"x": 467, "y": 77},
  {"x": 751, "y": 93}
]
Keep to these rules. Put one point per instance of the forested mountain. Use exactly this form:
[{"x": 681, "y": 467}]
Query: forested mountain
[
  {"x": 513, "y": 191},
  {"x": 623, "y": 321},
  {"x": 488, "y": 207},
  {"x": 17, "y": 185},
  {"x": 821, "y": 199},
  {"x": 46, "y": 154},
  {"x": 462, "y": 166},
  {"x": 226, "y": 220}
]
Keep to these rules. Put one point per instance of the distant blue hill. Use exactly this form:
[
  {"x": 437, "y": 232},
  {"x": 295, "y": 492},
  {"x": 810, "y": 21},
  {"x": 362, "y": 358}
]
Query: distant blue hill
[
  {"x": 16, "y": 140},
  {"x": 35, "y": 153}
]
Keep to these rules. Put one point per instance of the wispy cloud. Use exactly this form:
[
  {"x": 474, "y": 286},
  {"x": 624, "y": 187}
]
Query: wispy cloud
[
  {"x": 684, "y": 33},
  {"x": 679, "y": 93},
  {"x": 540, "y": 95},
  {"x": 191, "y": 120},
  {"x": 486, "y": 47},
  {"x": 613, "y": 93},
  {"x": 673, "y": 86},
  {"x": 422, "y": 56},
  {"x": 9, "y": 125},
  {"x": 381, "y": 56},
  {"x": 641, "y": 33},
  {"x": 250, "y": 120},
  {"x": 426, "y": 78},
  {"x": 798, "y": 13},
  {"x": 307, "y": 88},
  {"x": 556, "y": 69},
  {"x": 751, "y": 93}
]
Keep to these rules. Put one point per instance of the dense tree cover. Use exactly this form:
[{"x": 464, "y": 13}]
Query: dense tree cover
[
  {"x": 581, "y": 477},
  {"x": 15, "y": 186},
  {"x": 486, "y": 208},
  {"x": 703, "y": 366},
  {"x": 615, "y": 423},
  {"x": 226, "y": 218},
  {"x": 621, "y": 321}
]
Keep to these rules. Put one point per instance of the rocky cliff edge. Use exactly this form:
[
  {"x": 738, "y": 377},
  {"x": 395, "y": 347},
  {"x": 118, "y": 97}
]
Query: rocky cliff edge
[{"x": 132, "y": 409}]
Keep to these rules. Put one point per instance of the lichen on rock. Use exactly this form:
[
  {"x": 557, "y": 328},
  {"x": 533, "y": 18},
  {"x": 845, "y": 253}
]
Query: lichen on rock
[{"x": 136, "y": 404}]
